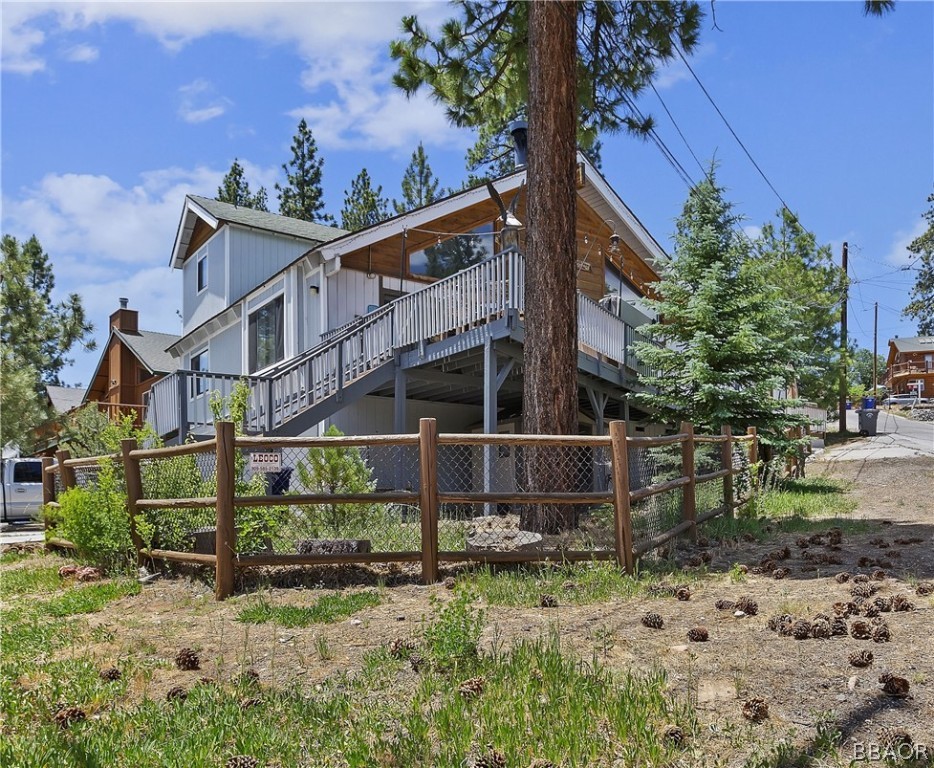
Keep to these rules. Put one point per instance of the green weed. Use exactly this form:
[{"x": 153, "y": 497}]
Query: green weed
[
  {"x": 326, "y": 610},
  {"x": 90, "y": 599},
  {"x": 28, "y": 581}
]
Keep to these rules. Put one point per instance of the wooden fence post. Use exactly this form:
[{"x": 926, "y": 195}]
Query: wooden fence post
[
  {"x": 48, "y": 487},
  {"x": 69, "y": 480},
  {"x": 622, "y": 512},
  {"x": 428, "y": 490},
  {"x": 726, "y": 457},
  {"x": 134, "y": 490},
  {"x": 225, "y": 547},
  {"x": 689, "y": 470},
  {"x": 753, "y": 445}
]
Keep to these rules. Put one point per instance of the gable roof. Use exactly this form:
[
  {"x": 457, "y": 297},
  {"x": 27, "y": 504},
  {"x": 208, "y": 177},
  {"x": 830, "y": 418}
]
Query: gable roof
[
  {"x": 64, "y": 399},
  {"x": 148, "y": 347},
  {"x": 913, "y": 344},
  {"x": 215, "y": 213}
]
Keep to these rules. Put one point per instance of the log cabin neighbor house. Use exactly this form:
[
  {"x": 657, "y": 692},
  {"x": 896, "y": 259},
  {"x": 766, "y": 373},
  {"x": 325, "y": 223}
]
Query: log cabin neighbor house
[
  {"x": 419, "y": 315},
  {"x": 910, "y": 366}
]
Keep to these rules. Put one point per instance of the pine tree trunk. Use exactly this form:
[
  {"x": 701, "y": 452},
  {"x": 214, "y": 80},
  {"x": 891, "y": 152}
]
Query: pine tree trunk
[{"x": 550, "y": 382}]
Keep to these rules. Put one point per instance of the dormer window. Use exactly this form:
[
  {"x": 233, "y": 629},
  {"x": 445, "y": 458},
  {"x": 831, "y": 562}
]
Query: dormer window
[{"x": 202, "y": 271}]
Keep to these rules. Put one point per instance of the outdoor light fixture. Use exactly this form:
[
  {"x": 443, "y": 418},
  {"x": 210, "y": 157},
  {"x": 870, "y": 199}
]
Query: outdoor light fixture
[{"x": 615, "y": 239}]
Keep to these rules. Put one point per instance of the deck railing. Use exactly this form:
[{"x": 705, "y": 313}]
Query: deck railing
[{"x": 469, "y": 299}]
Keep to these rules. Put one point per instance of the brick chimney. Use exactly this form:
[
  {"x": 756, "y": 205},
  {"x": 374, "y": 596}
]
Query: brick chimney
[{"x": 126, "y": 320}]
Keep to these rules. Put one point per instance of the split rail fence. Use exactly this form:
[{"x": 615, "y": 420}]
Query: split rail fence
[{"x": 237, "y": 502}]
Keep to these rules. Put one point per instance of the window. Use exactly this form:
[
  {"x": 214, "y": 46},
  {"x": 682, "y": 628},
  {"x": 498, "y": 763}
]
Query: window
[
  {"x": 202, "y": 271},
  {"x": 265, "y": 335},
  {"x": 27, "y": 472},
  {"x": 454, "y": 254},
  {"x": 199, "y": 363}
]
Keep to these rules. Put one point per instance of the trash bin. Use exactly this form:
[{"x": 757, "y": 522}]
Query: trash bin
[
  {"x": 869, "y": 403},
  {"x": 868, "y": 420}
]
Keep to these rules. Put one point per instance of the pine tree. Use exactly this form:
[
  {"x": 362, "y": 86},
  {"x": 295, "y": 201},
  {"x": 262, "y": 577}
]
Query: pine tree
[
  {"x": 727, "y": 340},
  {"x": 363, "y": 205},
  {"x": 235, "y": 189},
  {"x": 921, "y": 306},
  {"x": 802, "y": 269},
  {"x": 419, "y": 185},
  {"x": 302, "y": 197}
]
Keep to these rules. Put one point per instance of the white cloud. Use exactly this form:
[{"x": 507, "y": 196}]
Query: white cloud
[
  {"x": 676, "y": 70},
  {"x": 199, "y": 102},
  {"x": 82, "y": 54},
  {"x": 898, "y": 252},
  {"x": 753, "y": 231}
]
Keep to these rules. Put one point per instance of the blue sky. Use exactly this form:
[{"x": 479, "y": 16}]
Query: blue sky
[{"x": 112, "y": 112}]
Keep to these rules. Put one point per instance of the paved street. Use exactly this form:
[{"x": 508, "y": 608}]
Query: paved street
[
  {"x": 896, "y": 438},
  {"x": 20, "y": 533}
]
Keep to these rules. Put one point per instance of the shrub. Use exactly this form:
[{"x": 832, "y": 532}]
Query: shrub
[{"x": 95, "y": 520}]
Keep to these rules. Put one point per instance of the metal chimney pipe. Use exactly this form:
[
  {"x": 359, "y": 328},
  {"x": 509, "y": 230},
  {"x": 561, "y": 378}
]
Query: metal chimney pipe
[
  {"x": 519, "y": 130},
  {"x": 124, "y": 303}
]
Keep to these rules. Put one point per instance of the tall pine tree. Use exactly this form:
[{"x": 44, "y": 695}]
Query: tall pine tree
[
  {"x": 363, "y": 205},
  {"x": 419, "y": 184},
  {"x": 728, "y": 340},
  {"x": 302, "y": 196},
  {"x": 921, "y": 305},
  {"x": 235, "y": 189}
]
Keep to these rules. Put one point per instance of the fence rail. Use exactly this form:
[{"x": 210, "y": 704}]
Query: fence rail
[{"x": 240, "y": 502}]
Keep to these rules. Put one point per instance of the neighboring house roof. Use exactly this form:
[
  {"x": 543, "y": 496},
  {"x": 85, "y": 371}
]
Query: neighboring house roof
[
  {"x": 65, "y": 399},
  {"x": 215, "y": 213},
  {"x": 149, "y": 347},
  {"x": 914, "y": 344}
]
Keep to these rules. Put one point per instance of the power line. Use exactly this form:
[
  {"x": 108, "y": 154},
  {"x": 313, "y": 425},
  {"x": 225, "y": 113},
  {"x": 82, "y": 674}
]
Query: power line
[
  {"x": 730, "y": 127},
  {"x": 677, "y": 128}
]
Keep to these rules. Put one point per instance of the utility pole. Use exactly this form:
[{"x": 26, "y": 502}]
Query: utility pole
[
  {"x": 843, "y": 340},
  {"x": 875, "y": 350}
]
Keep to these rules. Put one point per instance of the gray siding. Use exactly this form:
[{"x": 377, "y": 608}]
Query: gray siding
[
  {"x": 256, "y": 256},
  {"x": 197, "y": 308},
  {"x": 350, "y": 293},
  {"x": 226, "y": 351}
]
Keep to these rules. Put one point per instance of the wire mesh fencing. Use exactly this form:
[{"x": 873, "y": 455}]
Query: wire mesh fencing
[{"x": 651, "y": 465}]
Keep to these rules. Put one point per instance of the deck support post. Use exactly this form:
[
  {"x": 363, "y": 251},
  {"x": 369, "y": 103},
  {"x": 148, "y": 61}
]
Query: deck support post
[
  {"x": 598, "y": 401},
  {"x": 490, "y": 408}
]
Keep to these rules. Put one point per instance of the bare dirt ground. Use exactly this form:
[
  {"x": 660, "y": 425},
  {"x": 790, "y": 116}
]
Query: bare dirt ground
[{"x": 806, "y": 683}]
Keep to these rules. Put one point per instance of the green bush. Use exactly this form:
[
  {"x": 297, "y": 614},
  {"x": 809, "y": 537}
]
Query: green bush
[{"x": 94, "y": 519}]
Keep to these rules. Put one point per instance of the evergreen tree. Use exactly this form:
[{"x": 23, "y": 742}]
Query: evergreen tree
[
  {"x": 21, "y": 407},
  {"x": 363, "y": 205},
  {"x": 302, "y": 197},
  {"x": 453, "y": 255},
  {"x": 235, "y": 189},
  {"x": 801, "y": 269},
  {"x": 419, "y": 185},
  {"x": 727, "y": 340},
  {"x": 921, "y": 305}
]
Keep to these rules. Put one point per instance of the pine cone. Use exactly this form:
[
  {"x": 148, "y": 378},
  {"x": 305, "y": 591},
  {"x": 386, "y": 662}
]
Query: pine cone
[
  {"x": 816, "y": 539},
  {"x": 672, "y": 734},
  {"x": 775, "y": 622},
  {"x": 884, "y": 604},
  {"x": 250, "y": 703},
  {"x": 834, "y": 536},
  {"x": 653, "y": 621},
  {"x": 924, "y": 589},
  {"x": 844, "y": 609},
  {"x": 767, "y": 564},
  {"x": 548, "y": 601},
  {"x": 860, "y": 658},
  {"x": 897, "y": 687},
  {"x": 820, "y": 629},
  {"x": 802, "y": 542},
  {"x": 756, "y": 710},
  {"x": 869, "y": 610},
  {"x": 881, "y": 634},
  {"x": 865, "y": 562},
  {"x": 748, "y": 537},
  {"x": 787, "y": 628},
  {"x": 724, "y": 605},
  {"x": 742, "y": 568},
  {"x": 683, "y": 593},
  {"x": 695, "y": 562},
  {"x": 801, "y": 629},
  {"x": 241, "y": 761},
  {"x": 901, "y": 603},
  {"x": 860, "y": 630},
  {"x": 860, "y": 578},
  {"x": 416, "y": 661},
  {"x": 67, "y": 570},
  {"x": 698, "y": 635},
  {"x": 187, "y": 659},
  {"x": 492, "y": 758},
  {"x": 66, "y": 716},
  {"x": 706, "y": 557},
  {"x": 747, "y": 605},
  {"x": 400, "y": 648},
  {"x": 541, "y": 762},
  {"x": 110, "y": 674},
  {"x": 838, "y": 627},
  {"x": 472, "y": 687},
  {"x": 878, "y": 575},
  {"x": 88, "y": 573},
  {"x": 449, "y": 583},
  {"x": 842, "y": 578},
  {"x": 893, "y": 738},
  {"x": 863, "y": 590},
  {"x": 176, "y": 694},
  {"x": 780, "y": 573},
  {"x": 779, "y": 554}
]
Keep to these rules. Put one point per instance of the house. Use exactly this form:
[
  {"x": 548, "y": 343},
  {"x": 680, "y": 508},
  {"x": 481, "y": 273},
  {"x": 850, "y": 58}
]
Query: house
[
  {"x": 131, "y": 361},
  {"x": 910, "y": 366},
  {"x": 60, "y": 401},
  {"x": 419, "y": 315}
]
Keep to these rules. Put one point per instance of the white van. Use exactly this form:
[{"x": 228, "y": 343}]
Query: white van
[{"x": 21, "y": 481}]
